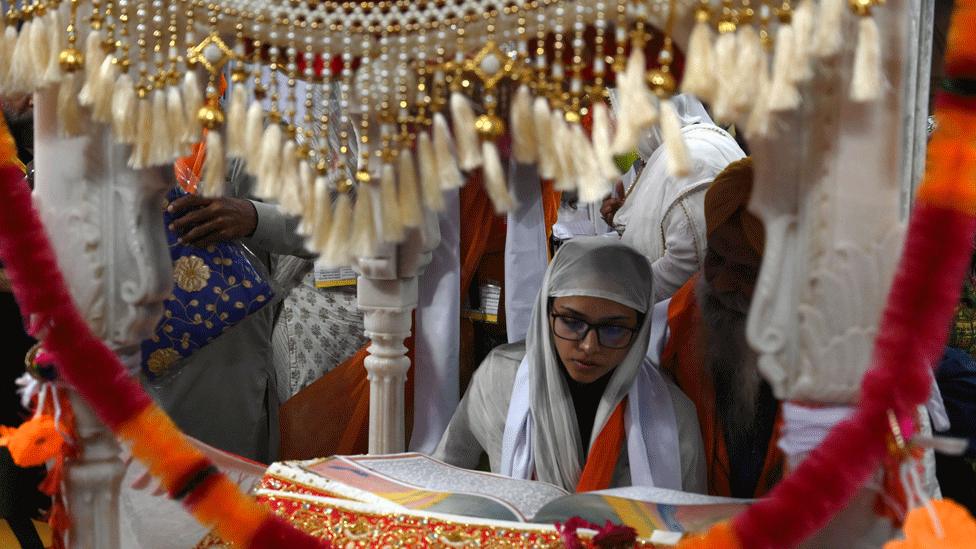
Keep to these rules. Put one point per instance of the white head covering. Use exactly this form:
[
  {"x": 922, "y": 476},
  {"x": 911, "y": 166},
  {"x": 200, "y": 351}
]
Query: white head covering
[
  {"x": 586, "y": 266},
  {"x": 690, "y": 111}
]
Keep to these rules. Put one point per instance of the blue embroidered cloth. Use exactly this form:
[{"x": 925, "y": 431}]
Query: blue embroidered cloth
[{"x": 214, "y": 288}]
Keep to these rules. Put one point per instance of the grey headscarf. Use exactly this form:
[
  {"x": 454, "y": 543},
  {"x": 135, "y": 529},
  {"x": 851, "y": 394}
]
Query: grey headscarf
[{"x": 596, "y": 267}]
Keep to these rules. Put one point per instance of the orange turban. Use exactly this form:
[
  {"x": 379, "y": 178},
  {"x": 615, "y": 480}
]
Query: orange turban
[{"x": 727, "y": 199}]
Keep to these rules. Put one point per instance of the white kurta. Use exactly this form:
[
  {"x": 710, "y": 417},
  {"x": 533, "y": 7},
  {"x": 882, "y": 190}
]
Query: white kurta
[
  {"x": 664, "y": 217},
  {"x": 479, "y": 423}
]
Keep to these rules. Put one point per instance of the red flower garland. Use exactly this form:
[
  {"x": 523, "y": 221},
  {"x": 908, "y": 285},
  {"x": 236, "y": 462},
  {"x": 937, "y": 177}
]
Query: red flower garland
[{"x": 96, "y": 373}]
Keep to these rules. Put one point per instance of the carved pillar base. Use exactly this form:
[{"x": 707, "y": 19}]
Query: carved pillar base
[
  {"x": 93, "y": 480},
  {"x": 387, "y": 306}
]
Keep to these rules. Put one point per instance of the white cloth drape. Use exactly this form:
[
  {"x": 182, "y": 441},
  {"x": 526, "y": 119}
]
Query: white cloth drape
[
  {"x": 437, "y": 350},
  {"x": 526, "y": 252}
]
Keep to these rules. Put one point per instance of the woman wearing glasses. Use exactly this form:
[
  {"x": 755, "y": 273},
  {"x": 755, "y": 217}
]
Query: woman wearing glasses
[{"x": 578, "y": 404}]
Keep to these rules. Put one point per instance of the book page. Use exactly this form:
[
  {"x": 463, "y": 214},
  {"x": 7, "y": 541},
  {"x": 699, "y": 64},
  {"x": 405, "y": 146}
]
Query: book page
[
  {"x": 524, "y": 497},
  {"x": 646, "y": 509}
]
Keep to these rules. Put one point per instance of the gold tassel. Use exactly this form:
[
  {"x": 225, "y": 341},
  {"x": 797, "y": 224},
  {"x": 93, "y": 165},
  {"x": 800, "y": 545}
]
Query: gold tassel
[
  {"x": 236, "y": 116},
  {"x": 747, "y": 64},
  {"x": 102, "y": 90},
  {"x": 408, "y": 195},
  {"x": 447, "y": 167},
  {"x": 829, "y": 30},
  {"x": 726, "y": 55},
  {"x": 637, "y": 110},
  {"x": 524, "y": 144},
  {"x": 288, "y": 180},
  {"x": 192, "y": 102},
  {"x": 22, "y": 73},
  {"x": 124, "y": 121},
  {"x": 159, "y": 144},
  {"x": 392, "y": 225},
  {"x": 56, "y": 43},
  {"x": 783, "y": 95},
  {"x": 213, "y": 166},
  {"x": 253, "y": 126},
  {"x": 593, "y": 186},
  {"x": 674, "y": 143},
  {"x": 269, "y": 162},
  {"x": 564, "y": 171},
  {"x": 601, "y": 142},
  {"x": 758, "y": 123},
  {"x": 495, "y": 183},
  {"x": 141, "y": 133},
  {"x": 94, "y": 56},
  {"x": 542, "y": 126},
  {"x": 866, "y": 78},
  {"x": 322, "y": 222},
  {"x": 427, "y": 161},
  {"x": 176, "y": 120},
  {"x": 699, "y": 77},
  {"x": 363, "y": 235},
  {"x": 465, "y": 133},
  {"x": 802, "y": 42},
  {"x": 69, "y": 111},
  {"x": 336, "y": 250}
]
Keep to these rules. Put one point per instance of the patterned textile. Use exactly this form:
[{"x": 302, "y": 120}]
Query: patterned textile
[
  {"x": 318, "y": 329},
  {"x": 213, "y": 290},
  {"x": 963, "y": 335}
]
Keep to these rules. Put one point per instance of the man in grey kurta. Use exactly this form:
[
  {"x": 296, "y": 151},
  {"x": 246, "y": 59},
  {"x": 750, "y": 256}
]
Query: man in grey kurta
[{"x": 225, "y": 393}]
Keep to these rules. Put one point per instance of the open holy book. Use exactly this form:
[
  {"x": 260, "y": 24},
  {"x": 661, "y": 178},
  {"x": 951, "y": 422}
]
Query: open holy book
[{"x": 420, "y": 483}]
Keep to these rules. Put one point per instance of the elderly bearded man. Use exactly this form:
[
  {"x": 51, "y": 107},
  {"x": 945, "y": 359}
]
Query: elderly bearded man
[{"x": 707, "y": 353}]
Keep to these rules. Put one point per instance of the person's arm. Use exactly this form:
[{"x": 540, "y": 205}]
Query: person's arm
[
  {"x": 683, "y": 230},
  {"x": 276, "y": 232},
  {"x": 459, "y": 446}
]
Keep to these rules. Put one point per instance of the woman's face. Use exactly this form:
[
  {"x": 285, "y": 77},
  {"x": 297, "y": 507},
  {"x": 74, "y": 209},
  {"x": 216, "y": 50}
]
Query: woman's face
[{"x": 587, "y": 359}]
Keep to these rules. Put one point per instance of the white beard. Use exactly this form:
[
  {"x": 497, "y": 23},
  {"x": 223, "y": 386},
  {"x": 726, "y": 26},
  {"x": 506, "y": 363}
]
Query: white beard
[{"x": 729, "y": 359}]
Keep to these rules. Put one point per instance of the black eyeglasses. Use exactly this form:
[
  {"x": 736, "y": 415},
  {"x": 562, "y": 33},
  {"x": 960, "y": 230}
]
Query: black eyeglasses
[{"x": 610, "y": 336}]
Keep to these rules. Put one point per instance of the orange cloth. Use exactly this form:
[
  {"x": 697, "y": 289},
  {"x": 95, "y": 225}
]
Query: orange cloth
[
  {"x": 551, "y": 199},
  {"x": 683, "y": 359},
  {"x": 727, "y": 199},
  {"x": 602, "y": 460},
  {"x": 8, "y": 147}
]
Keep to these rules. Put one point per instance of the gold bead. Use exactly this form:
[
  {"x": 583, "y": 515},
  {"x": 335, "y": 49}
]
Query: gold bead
[
  {"x": 344, "y": 186},
  {"x": 861, "y": 8},
  {"x": 210, "y": 116},
  {"x": 702, "y": 15},
  {"x": 362, "y": 176},
  {"x": 321, "y": 166},
  {"x": 662, "y": 82},
  {"x": 71, "y": 60},
  {"x": 489, "y": 126},
  {"x": 238, "y": 74},
  {"x": 572, "y": 117}
]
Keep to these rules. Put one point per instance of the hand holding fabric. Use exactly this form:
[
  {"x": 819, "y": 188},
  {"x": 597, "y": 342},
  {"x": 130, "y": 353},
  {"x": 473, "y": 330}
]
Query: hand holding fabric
[
  {"x": 205, "y": 221},
  {"x": 612, "y": 203}
]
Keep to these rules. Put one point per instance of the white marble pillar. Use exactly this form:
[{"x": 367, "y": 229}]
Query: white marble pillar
[
  {"x": 387, "y": 293},
  {"x": 105, "y": 223}
]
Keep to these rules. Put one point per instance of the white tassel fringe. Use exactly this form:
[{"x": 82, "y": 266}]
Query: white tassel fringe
[
  {"x": 783, "y": 95},
  {"x": 236, "y": 115},
  {"x": 465, "y": 133},
  {"x": 212, "y": 184},
  {"x": 699, "y": 77},
  {"x": 447, "y": 167},
  {"x": 427, "y": 163},
  {"x": 674, "y": 144},
  {"x": 524, "y": 143},
  {"x": 408, "y": 195},
  {"x": 495, "y": 183},
  {"x": 866, "y": 78},
  {"x": 544, "y": 138}
]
